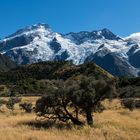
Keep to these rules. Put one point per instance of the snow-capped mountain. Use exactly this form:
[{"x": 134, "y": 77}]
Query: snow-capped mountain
[
  {"x": 134, "y": 38},
  {"x": 119, "y": 56}
]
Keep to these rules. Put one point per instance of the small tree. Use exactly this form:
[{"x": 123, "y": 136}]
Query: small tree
[
  {"x": 90, "y": 95},
  {"x": 66, "y": 100},
  {"x": 54, "y": 105}
]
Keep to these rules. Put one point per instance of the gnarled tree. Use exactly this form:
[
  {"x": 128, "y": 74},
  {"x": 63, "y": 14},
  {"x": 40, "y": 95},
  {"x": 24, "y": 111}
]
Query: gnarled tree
[{"x": 66, "y": 100}]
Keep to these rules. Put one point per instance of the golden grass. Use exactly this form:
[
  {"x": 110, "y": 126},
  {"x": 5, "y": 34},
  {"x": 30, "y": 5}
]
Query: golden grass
[{"x": 112, "y": 124}]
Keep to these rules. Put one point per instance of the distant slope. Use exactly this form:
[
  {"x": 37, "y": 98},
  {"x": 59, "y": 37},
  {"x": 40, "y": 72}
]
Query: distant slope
[
  {"x": 6, "y": 64},
  {"x": 113, "y": 64},
  {"x": 31, "y": 79},
  {"x": 53, "y": 70},
  {"x": 129, "y": 87}
]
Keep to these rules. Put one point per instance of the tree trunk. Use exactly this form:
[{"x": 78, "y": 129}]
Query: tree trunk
[
  {"x": 73, "y": 119},
  {"x": 76, "y": 121},
  {"x": 89, "y": 117}
]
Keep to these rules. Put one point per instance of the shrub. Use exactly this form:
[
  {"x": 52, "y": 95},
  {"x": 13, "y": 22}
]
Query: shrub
[
  {"x": 131, "y": 104},
  {"x": 12, "y": 101},
  {"x": 2, "y": 102},
  {"x": 27, "y": 107}
]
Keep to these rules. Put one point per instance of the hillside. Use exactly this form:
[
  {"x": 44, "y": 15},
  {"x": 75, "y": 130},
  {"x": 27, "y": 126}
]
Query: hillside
[
  {"x": 6, "y": 64},
  {"x": 129, "y": 87},
  {"x": 53, "y": 70},
  {"x": 30, "y": 79}
]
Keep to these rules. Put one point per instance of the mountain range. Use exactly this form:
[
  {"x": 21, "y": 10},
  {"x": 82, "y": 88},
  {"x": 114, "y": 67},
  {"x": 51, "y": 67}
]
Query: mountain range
[{"x": 119, "y": 56}]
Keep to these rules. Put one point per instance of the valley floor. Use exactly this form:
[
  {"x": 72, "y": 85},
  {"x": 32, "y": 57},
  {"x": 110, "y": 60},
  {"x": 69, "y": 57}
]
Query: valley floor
[{"x": 119, "y": 124}]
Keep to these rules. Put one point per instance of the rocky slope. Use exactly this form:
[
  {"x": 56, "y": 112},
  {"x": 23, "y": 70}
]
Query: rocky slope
[{"x": 6, "y": 64}]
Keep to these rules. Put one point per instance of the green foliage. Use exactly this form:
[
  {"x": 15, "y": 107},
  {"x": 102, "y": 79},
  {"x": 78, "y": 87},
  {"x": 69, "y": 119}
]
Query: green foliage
[
  {"x": 27, "y": 107},
  {"x": 30, "y": 87},
  {"x": 131, "y": 104},
  {"x": 128, "y": 87},
  {"x": 12, "y": 101},
  {"x": 30, "y": 79},
  {"x": 3, "y": 90},
  {"x": 52, "y": 70}
]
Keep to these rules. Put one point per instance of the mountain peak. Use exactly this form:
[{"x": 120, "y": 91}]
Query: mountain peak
[
  {"x": 39, "y": 25},
  {"x": 135, "y": 37},
  {"x": 85, "y": 36},
  {"x": 36, "y": 27},
  {"x": 38, "y": 43},
  {"x": 107, "y": 34},
  {"x": 105, "y": 30}
]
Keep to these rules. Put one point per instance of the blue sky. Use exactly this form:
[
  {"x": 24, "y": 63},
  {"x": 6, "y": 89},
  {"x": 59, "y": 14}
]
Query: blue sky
[{"x": 120, "y": 16}]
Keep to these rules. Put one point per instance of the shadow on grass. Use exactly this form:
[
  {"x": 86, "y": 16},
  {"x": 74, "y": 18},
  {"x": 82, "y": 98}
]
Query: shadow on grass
[{"x": 47, "y": 125}]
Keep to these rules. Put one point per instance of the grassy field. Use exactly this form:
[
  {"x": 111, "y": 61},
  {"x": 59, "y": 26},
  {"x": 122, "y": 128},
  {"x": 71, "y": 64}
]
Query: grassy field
[{"x": 113, "y": 124}]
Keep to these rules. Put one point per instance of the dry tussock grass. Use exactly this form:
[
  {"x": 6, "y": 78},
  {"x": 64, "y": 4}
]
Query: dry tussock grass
[{"x": 112, "y": 124}]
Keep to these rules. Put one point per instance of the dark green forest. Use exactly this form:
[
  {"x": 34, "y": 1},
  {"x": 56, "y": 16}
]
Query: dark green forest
[{"x": 31, "y": 79}]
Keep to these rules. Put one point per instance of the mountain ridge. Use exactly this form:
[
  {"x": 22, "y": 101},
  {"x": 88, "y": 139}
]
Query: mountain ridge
[{"x": 37, "y": 43}]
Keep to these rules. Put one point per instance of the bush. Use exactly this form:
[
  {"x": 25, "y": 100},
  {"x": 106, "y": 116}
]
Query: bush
[
  {"x": 12, "y": 101},
  {"x": 131, "y": 104},
  {"x": 27, "y": 107},
  {"x": 2, "y": 102}
]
